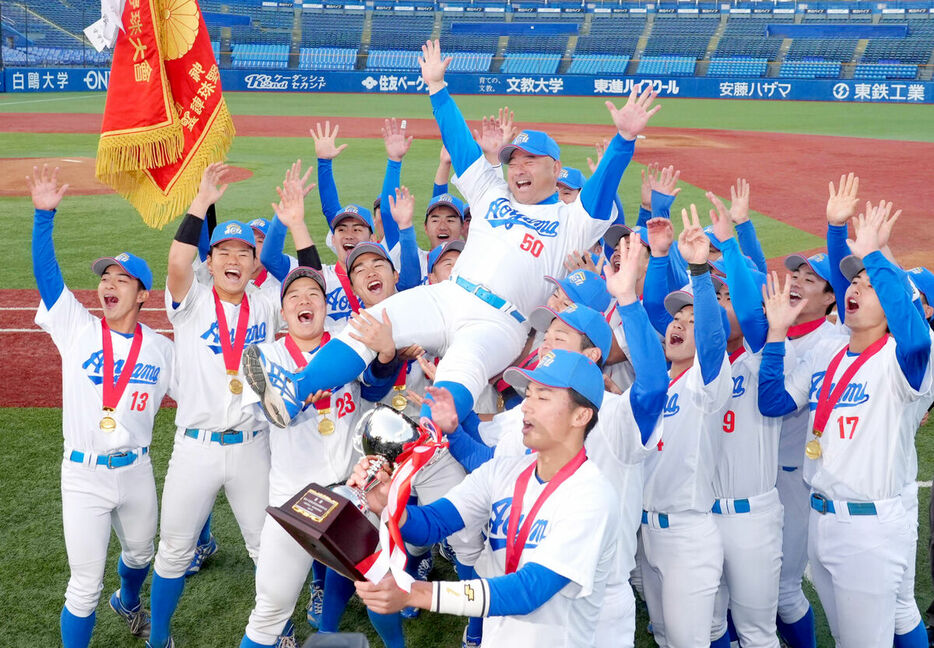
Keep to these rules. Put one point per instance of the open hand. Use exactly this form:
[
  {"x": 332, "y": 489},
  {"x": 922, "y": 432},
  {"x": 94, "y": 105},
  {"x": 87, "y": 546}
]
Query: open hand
[
  {"x": 375, "y": 334},
  {"x": 631, "y": 119},
  {"x": 622, "y": 283},
  {"x": 325, "y": 138},
  {"x": 661, "y": 235},
  {"x": 433, "y": 65},
  {"x": 665, "y": 182},
  {"x": 212, "y": 185},
  {"x": 43, "y": 185},
  {"x": 600, "y": 148},
  {"x": 844, "y": 201},
  {"x": 443, "y": 410},
  {"x": 873, "y": 228},
  {"x": 722, "y": 226},
  {"x": 739, "y": 202},
  {"x": 778, "y": 308},
  {"x": 397, "y": 144},
  {"x": 402, "y": 207}
]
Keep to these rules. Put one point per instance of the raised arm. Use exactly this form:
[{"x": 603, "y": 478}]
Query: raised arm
[
  {"x": 326, "y": 149},
  {"x": 397, "y": 145},
  {"x": 745, "y": 230},
  {"x": 649, "y": 390},
  {"x": 289, "y": 214},
  {"x": 656, "y": 286},
  {"x": 402, "y": 210},
  {"x": 443, "y": 173},
  {"x": 46, "y": 196},
  {"x": 185, "y": 246},
  {"x": 745, "y": 294},
  {"x": 774, "y": 399},
  {"x": 842, "y": 205},
  {"x": 455, "y": 133}
]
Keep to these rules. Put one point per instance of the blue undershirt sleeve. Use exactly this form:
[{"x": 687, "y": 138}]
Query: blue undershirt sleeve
[
  {"x": 437, "y": 190},
  {"x": 600, "y": 189},
  {"x": 774, "y": 400},
  {"x": 654, "y": 290},
  {"x": 837, "y": 250},
  {"x": 620, "y": 218},
  {"x": 911, "y": 332},
  {"x": 327, "y": 190},
  {"x": 745, "y": 296},
  {"x": 661, "y": 204},
  {"x": 471, "y": 425},
  {"x": 644, "y": 216},
  {"x": 470, "y": 453},
  {"x": 650, "y": 389},
  {"x": 426, "y": 525},
  {"x": 272, "y": 257},
  {"x": 44, "y": 264},
  {"x": 204, "y": 241},
  {"x": 709, "y": 335},
  {"x": 525, "y": 590},
  {"x": 391, "y": 181},
  {"x": 750, "y": 245},
  {"x": 410, "y": 274},
  {"x": 455, "y": 133}
]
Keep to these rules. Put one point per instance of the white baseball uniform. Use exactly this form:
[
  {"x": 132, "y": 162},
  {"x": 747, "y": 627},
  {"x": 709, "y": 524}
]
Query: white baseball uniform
[
  {"x": 96, "y": 497},
  {"x": 859, "y": 552},
  {"x": 299, "y": 454},
  {"x": 683, "y": 551},
  {"x": 574, "y": 534},
  {"x": 338, "y": 302},
  {"x": 200, "y": 466},
  {"x": 615, "y": 446},
  {"x": 748, "y": 511}
]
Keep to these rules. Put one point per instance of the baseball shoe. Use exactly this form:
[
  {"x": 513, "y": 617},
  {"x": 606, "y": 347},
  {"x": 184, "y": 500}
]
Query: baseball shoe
[
  {"x": 137, "y": 619},
  {"x": 202, "y": 553},
  {"x": 446, "y": 551},
  {"x": 170, "y": 643},
  {"x": 469, "y": 642},
  {"x": 315, "y": 606},
  {"x": 274, "y": 385},
  {"x": 287, "y": 638},
  {"x": 425, "y": 565}
]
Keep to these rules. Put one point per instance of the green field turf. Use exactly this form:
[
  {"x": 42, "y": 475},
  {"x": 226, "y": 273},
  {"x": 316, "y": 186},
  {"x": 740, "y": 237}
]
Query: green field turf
[{"x": 33, "y": 570}]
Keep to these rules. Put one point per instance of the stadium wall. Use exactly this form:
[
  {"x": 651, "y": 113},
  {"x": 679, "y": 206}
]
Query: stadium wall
[{"x": 95, "y": 79}]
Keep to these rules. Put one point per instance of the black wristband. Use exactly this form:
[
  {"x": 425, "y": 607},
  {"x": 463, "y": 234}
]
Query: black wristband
[
  {"x": 308, "y": 257},
  {"x": 384, "y": 370},
  {"x": 697, "y": 269},
  {"x": 189, "y": 230},
  {"x": 210, "y": 217}
]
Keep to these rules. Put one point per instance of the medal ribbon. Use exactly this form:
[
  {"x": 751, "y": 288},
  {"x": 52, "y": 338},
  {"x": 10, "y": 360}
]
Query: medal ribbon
[
  {"x": 261, "y": 277},
  {"x": 799, "y": 330},
  {"x": 609, "y": 313},
  {"x": 827, "y": 399},
  {"x": 112, "y": 392},
  {"x": 529, "y": 362},
  {"x": 324, "y": 404},
  {"x": 345, "y": 284},
  {"x": 232, "y": 353},
  {"x": 391, "y": 556},
  {"x": 516, "y": 536}
]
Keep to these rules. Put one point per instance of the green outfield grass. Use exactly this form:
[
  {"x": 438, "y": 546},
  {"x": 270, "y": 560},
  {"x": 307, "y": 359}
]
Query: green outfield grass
[{"x": 217, "y": 603}]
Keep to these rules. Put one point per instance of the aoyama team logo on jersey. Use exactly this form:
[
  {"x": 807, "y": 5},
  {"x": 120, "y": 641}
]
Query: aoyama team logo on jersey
[
  {"x": 143, "y": 374},
  {"x": 502, "y": 214},
  {"x": 672, "y": 407},
  {"x": 499, "y": 522},
  {"x": 338, "y": 304},
  {"x": 254, "y": 335},
  {"x": 738, "y": 386},
  {"x": 856, "y": 393}
]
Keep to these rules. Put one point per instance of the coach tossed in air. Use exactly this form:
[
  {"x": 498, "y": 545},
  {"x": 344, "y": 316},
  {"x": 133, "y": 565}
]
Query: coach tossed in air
[{"x": 525, "y": 232}]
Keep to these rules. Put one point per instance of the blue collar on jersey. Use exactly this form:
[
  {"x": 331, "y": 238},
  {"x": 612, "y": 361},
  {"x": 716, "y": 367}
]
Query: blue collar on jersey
[{"x": 550, "y": 200}]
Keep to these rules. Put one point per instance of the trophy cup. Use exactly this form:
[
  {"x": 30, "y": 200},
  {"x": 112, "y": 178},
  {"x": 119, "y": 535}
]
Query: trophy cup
[{"x": 335, "y": 525}]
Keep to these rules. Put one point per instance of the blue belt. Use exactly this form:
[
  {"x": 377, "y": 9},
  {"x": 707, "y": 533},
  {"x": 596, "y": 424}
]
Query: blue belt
[
  {"x": 739, "y": 506},
  {"x": 789, "y": 468},
  {"x": 490, "y": 298},
  {"x": 662, "y": 519},
  {"x": 823, "y": 505},
  {"x": 115, "y": 460},
  {"x": 227, "y": 437}
]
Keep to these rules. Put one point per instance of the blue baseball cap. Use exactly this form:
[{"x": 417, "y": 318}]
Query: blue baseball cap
[
  {"x": 818, "y": 263},
  {"x": 571, "y": 178},
  {"x": 714, "y": 241},
  {"x": 233, "y": 231},
  {"x": 684, "y": 296},
  {"x": 131, "y": 264},
  {"x": 533, "y": 142},
  {"x": 446, "y": 200},
  {"x": 367, "y": 247},
  {"x": 720, "y": 265},
  {"x": 718, "y": 282},
  {"x": 616, "y": 232},
  {"x": 582, "y": 319},
  {"x": 561, "y": 370},
  {"x": 585, "y": 288},
  {"x": 260, "y": 225},
  {"x": 298, "y": 273},
  {"x": 923, "y": 279},
  {"x": 354, "y": 211},
  {"x": 456, "y": 245}
]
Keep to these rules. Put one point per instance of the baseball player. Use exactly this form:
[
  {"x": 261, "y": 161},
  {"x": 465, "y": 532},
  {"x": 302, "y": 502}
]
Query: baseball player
[
  {"x": 525, "y": 232},
  {"x": 866, "y": 395},
  {"x": 552, "y": 569},
  {"x": 219, "y": 442},
  {"x": 319, "y": 447},
  {"x": 683, "y": 550},
  {"x": 115, "y": 372},
  {"x": 747, "y": 509}
]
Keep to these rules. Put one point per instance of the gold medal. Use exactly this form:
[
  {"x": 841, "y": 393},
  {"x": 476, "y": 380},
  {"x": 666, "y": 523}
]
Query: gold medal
[
  {"x": 399, "y": 402},
  {"x": 236, "y": 387},
  {"x": 813, "y": 450},
  {"x": 108, "y": 424},
  {"x": 325, "y": 427}
]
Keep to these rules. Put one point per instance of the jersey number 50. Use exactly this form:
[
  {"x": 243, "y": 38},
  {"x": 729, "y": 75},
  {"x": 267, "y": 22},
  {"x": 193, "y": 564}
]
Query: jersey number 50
[{"x": 532, "y": 245}]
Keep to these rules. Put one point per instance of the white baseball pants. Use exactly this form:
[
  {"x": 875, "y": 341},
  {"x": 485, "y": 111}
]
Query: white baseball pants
[{"x": 795, "y": 495}]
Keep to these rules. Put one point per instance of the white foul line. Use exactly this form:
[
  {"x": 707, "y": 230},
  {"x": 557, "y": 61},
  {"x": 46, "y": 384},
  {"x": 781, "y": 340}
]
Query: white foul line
[{"x": 31, "y": 101}]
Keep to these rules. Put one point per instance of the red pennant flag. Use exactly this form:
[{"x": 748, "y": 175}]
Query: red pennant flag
[{"x": 165, "y": 118}]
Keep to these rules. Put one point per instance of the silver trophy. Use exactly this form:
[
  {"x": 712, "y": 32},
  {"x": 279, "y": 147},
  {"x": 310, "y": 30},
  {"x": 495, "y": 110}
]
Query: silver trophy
[{"x": 382, "y": 434}]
